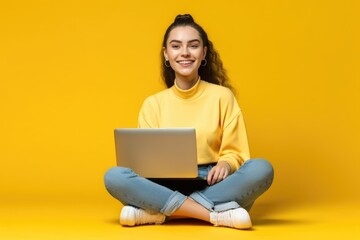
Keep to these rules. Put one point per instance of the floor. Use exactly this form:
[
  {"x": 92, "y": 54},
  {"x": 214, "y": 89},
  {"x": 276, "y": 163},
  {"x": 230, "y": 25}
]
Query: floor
[{"x": 99, "y": 220}]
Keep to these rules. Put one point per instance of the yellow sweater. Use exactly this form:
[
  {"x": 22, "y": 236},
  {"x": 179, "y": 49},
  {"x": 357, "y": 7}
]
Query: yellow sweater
[{"x": 209, "y": 108}]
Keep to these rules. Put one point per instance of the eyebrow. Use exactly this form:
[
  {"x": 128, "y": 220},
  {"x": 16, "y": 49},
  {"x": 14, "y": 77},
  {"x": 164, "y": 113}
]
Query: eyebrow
[{"x": 178, "y": 41}]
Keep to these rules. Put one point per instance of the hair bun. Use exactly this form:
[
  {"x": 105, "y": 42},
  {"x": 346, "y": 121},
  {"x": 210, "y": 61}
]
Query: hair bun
[{"x": 184, "y": 18}]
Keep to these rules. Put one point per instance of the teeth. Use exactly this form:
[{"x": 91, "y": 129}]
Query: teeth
[{"x": 185, "y": 62}]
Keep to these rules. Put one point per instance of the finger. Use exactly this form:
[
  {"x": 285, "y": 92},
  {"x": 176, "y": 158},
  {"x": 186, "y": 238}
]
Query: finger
[
  {"x": 226, "y": 173},
  {"x": 210, "y": 176},
  {"x": 216, "y": 176},
  {"x": 222, "y": 173}
]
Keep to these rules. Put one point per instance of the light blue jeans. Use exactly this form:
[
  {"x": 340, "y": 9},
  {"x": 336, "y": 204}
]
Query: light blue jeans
[{"x": 240, "y": 189}]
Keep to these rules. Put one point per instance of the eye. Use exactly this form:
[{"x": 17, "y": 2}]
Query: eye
[
  {"x": 175, "y": 46},
  {"x": 194, "y": 46}
]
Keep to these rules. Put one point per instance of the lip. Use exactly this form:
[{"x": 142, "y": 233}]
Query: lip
[{"x": 185, "y": 62}]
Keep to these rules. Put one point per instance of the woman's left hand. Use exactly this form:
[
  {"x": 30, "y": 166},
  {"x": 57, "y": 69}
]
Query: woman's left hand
[{"x": 218, "y": 172}]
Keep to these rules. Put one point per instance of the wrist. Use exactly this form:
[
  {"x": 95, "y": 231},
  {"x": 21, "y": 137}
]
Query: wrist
[{"x": 225, "y": 164}]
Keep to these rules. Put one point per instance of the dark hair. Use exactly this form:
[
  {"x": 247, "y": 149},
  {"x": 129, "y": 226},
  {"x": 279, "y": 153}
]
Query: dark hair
[{"x": 212, "y": 72}]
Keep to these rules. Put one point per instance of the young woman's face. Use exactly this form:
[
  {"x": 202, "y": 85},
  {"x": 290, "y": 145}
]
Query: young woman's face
[{"x": 185, "y": 51}]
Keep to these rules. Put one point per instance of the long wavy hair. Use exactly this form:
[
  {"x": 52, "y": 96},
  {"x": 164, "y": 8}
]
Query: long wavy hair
[{"x": 212, "y": 72}]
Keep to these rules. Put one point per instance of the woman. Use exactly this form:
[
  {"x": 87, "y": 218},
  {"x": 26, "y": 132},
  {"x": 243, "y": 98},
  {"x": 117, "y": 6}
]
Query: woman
[{"x": 198, "y": 96}]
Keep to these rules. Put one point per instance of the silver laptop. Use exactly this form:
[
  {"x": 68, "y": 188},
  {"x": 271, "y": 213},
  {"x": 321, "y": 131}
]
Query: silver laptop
[{"x": 158, "y": 152}]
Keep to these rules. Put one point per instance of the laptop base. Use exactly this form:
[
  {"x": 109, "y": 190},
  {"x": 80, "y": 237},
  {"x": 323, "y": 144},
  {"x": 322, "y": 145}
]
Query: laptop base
[{"x": 184, "y": 185}]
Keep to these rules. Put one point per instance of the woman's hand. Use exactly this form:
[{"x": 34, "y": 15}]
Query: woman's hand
[{"x": 218, "y": 172}]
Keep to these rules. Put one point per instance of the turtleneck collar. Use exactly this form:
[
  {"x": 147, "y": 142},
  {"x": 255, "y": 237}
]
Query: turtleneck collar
[{"x": 190, "y": 93}]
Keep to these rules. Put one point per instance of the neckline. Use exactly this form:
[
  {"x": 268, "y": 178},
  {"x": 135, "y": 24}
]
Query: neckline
[{"x": 191, "y": 93}]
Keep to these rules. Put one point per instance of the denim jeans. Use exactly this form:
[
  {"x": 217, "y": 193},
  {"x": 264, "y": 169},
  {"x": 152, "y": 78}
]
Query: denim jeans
[{"x": 240, "y": 189}]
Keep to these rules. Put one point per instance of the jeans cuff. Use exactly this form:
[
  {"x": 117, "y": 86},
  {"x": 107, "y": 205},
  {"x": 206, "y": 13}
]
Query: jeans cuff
[
  {"x": 226, "y": 206},
  {"x": 202, "y": 200},
  {"x": 173, "y": 203}
]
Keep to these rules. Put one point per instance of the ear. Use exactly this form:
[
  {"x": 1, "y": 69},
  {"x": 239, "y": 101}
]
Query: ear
[
  {"x": 205, "y": 51},
  {"x": 165, "y": 53}
]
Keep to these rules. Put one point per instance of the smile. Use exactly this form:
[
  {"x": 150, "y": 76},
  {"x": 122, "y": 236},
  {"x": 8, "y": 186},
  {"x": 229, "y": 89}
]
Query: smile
[{"x": 185, "y": 62}]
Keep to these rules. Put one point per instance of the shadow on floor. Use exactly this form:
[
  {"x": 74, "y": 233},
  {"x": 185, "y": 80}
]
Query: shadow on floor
[
  {"x": 261, "y": 214},
  {"x": 263, "y": 209},
  {"x": 264, "y": 221},
  {"x": 187, "y": 221}
]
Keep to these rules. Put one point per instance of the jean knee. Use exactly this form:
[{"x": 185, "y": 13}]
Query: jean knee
[
  {"x": 116, "y": 176},
  {"x": 264, "y": 166},
  {"x": 263, "y": 169}
]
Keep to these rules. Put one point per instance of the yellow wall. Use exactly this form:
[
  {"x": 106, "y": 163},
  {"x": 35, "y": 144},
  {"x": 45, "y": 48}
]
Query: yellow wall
[{"x": 72, "y": 71}]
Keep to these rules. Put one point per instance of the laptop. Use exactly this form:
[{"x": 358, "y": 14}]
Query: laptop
[{"x": 159, "y": 153}]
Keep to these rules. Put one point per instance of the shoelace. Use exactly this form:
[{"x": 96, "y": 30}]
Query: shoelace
[
  {"x": 224, "y": 219},
  {"x": 144, "y": 217}
]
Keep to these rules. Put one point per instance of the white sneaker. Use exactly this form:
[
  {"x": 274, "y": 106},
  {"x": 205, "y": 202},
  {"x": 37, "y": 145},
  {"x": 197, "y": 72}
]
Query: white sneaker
[
  {"x": 131, "y": 216},
  {"x": 235, "y": 218}
]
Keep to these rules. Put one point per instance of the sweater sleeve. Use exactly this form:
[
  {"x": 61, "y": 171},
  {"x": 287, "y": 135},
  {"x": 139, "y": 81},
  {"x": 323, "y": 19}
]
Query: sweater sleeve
[
  {"x": 147, "y": 115},
  {"x": 234, "y": 147}
]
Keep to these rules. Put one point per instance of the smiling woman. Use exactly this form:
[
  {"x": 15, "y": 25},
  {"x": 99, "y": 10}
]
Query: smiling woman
[
  {"x": 196, "y": 97},
  {"x": 211, "y": 68},
  {"x": 185, "y": 51}
]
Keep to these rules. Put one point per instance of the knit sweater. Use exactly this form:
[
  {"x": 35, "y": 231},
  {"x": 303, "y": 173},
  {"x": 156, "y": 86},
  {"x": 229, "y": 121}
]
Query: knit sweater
[{"x": 209, "y": 108}]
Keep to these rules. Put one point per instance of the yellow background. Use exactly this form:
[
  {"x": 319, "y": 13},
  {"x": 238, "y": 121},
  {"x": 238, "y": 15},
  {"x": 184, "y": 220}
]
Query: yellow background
[{"x": 72, "y": 71}]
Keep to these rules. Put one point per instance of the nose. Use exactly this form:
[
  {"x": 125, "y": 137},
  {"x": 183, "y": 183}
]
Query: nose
[{"x": 185, "y": 52}]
